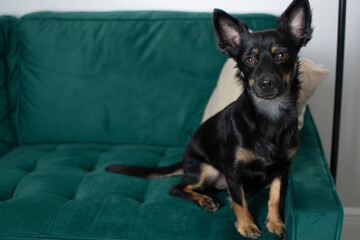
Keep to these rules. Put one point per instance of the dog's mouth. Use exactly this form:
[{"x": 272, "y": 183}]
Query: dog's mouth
[{"x": 267, "y": 96}]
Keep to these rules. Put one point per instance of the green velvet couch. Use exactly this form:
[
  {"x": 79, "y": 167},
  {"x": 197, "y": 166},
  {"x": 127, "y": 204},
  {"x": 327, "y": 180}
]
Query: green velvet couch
[{"x": 81, "y": 91}]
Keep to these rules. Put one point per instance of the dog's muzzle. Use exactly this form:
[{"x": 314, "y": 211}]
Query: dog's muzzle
[{"x": 267, "y": 86}]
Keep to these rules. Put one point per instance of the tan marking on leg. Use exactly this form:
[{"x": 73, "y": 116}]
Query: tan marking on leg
[
  {"x": 275, "y": 224},
  {"x": 244, "y": 220},
  {"x": 292, "y": 153},
  {"x": 246, "y": 155},
  {"x": 208, "y": 175}
]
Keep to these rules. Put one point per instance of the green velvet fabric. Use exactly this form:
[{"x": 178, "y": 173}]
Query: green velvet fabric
[
  {"x": 311, "y": 199},
  {"x": 7, "y": 48},
  {"x": 115, "y": 77},
  {"x": 62, "y": 191},
  {"x": 85, "y": 90}
]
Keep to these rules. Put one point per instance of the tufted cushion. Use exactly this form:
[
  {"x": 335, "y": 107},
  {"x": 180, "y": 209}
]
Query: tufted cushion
[
  {"x": 63, "y": 190},
  {"x": 60, "y": 191}
]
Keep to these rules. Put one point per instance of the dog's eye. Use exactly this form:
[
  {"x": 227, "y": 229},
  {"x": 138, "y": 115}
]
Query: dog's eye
[
  {"x": 250, "y": 61},
  {"x": 282, "y": 56}
]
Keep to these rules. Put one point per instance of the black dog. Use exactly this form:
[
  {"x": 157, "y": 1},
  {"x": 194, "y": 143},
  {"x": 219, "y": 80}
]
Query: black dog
[{"x": 249, "y": 144}]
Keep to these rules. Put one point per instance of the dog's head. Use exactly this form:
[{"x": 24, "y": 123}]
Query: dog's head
[{"x": 267, "y": 60}]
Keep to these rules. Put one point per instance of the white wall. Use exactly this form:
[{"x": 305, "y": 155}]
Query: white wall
[
  {"x": 321, "y": 49},
  {"x": 349, "y": 156}
]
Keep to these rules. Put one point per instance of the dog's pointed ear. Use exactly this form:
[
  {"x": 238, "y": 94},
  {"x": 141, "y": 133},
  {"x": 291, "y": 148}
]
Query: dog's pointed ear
[
  {"x": 296, "y": 20},
  {"x": 228, "y": 32}
]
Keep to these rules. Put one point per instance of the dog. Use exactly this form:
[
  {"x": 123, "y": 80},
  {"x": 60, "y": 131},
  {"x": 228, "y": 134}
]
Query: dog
[{"x": 251, "y": 142}]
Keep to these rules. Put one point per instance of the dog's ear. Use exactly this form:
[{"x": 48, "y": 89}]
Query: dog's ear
[
  {"x": 296, "y": 20},
  {"x": 228, "y": 32}
]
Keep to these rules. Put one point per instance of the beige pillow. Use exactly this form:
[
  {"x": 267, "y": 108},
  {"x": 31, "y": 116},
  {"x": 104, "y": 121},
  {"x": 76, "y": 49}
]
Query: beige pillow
[{"x": 228, "y": 88}]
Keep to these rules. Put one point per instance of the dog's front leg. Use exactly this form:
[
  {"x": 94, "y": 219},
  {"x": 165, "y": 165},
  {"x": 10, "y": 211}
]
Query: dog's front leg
[
  {"x": 244, "y": 220},
  {"x": 274, "y": 223}
]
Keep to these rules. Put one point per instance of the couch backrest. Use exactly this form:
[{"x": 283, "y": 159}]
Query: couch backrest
[
  {"x": 119, "y": 77},
  {"x": 7, "y": 50}
]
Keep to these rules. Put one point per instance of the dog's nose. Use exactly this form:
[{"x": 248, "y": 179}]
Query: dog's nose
[{"x": 267, "y": 85}]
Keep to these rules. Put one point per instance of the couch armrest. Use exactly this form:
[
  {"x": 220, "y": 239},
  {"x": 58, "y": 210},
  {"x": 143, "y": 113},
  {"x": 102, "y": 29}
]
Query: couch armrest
[
  {"x": 7, "y": 135},
  {"x": 312, "y": 207}
]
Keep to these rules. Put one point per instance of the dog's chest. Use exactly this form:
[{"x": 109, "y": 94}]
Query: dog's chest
[
  {"x": 272, "y": 109},
  {"x": 265, "y": 152},
  {"x": 248, "y": 156},
  {"x": 263, "y": 159},
  {"x": 259, "y": 170}
]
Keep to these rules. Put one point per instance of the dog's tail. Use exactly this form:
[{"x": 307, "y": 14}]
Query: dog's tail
[{"x": 145, "y": 172}]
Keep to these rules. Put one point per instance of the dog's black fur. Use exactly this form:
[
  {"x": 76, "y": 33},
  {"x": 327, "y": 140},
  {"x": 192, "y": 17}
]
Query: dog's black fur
[{"x": 249, "y": 144}]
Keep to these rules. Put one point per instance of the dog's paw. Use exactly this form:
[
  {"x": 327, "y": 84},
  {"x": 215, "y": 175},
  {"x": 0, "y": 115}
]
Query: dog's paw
[
  {"x": 209, "y": 204},
  {"x": 249, "y": 230},
  {"x": 276, "y": 227}
]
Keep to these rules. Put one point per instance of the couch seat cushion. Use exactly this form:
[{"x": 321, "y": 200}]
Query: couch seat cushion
[{"x": 62, "y": 191}]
